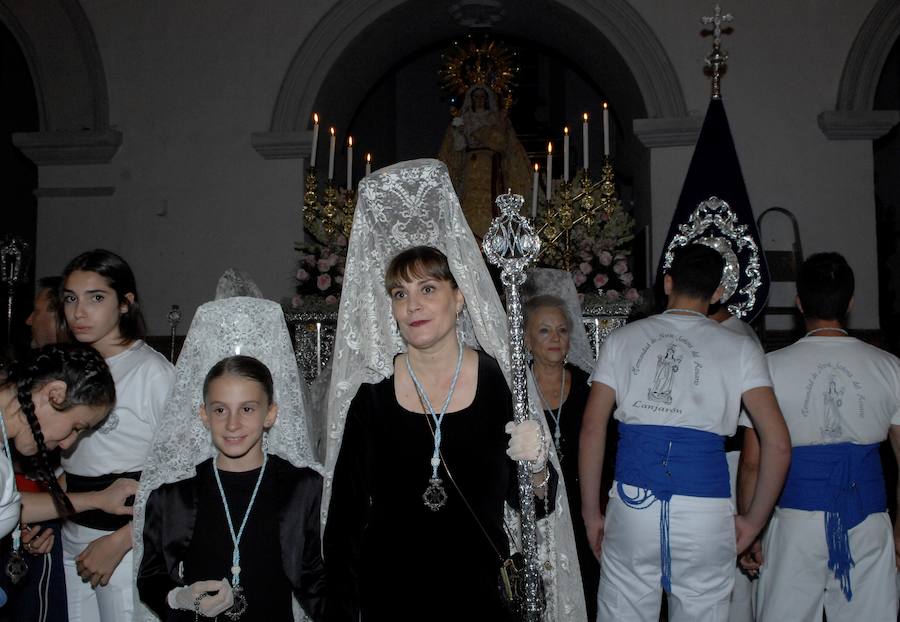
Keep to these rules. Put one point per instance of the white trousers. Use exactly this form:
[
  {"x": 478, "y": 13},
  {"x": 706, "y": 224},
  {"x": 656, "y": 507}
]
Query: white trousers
[
  {"x": 702, "y": 544},
  {"x": 796, "y": 584},
  {"x": 742, "y": 596},
  {"x": 113, "y": 602}
]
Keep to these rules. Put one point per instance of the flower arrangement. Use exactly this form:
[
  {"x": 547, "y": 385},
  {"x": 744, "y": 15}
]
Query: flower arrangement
[{"x": 320, "y": 273}]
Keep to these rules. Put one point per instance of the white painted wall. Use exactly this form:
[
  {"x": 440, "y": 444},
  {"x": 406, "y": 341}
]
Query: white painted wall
[{"x": 189, "y": 82}]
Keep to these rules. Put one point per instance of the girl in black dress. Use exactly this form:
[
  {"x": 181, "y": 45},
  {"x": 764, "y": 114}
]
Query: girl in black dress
[{"x": 241, "y": 537}]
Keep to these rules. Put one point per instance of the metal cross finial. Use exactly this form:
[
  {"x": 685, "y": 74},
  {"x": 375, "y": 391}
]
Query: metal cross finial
[
  {"x": 717, "y": 60},
  {"x": 717, "y": 19}
]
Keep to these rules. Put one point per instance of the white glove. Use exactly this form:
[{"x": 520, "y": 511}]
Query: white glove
[
  {"x": 209, "y": 598},
  {"x": 527, "y": 442}
]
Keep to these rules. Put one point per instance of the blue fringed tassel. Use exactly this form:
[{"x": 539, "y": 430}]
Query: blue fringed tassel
[
  {"x": 839, "y": 559},
  {"x": 665, "y": 552}
]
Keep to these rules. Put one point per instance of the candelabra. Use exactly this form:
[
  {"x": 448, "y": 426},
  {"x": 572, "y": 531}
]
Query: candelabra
[
  {"x": 333, "y": 213},
  {"x": 15, "y": 254},
  {"x": 577, "y": 205}
]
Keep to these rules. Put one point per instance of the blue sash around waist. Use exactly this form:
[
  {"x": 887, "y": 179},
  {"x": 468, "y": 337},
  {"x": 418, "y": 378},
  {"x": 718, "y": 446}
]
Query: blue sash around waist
[
  {"x": 663, "y": 461},
  {"x": 846, "y": 482}
]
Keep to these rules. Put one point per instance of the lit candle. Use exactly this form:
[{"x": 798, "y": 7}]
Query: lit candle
[
  {"x": 331, "y": 156},
  {"x": 534, "y": 191},
  {"x": 605, "y": 129},
  {"x": 566, "y": 154},
  {"x": 349, "y": 163},
  {"x": 368, "y": 164},
  {"x": 315, "y": 140},
  {"x": 549, "y": 171},
  {"x": 584, "y": 140}
]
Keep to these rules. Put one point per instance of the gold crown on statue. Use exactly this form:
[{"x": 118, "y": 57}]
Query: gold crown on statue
[{"x": 479, "y": 61}]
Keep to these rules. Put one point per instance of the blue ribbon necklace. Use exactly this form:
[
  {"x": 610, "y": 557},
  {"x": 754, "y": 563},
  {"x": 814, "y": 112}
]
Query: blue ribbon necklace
[
  {"x": 240, "y": 601},
  {"x": 435, "y": 497}
]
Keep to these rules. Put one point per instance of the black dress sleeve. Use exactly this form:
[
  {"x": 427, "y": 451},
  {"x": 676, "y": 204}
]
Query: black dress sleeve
[
  {"x": 300, "y": 541},
  {"x": 153, "y": 581},
  {"x": 349, "y": 510}
]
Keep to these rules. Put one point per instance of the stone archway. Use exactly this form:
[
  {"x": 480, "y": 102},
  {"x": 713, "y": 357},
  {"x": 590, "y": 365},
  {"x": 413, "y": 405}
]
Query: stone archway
[
  {"x": 58, "y": 43},
  {"x": 613, "y": 26},
  {"x": 853, "y": 117}
]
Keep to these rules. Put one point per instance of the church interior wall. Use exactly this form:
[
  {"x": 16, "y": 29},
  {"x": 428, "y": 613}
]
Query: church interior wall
[{"x": 188, "y": 83}]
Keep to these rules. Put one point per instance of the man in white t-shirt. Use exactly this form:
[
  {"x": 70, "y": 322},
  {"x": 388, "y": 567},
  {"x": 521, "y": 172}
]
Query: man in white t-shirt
[
  {"x": 675, "y": 381},
  {"x": 829, "y": 544}
]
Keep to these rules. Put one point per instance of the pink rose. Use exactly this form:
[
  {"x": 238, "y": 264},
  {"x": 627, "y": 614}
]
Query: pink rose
[
  {"x": 627, "y": 278},
  {"x": 325, "y": 252},
  {"x": 296, "y": 301},
  {"x": 323, "y": 265},
  {"x": 578, "y": 277},
  {"x": 341, "y": 240},
  {"x": 323, "y": 282},
  {"x": 612, "y": 295},
  {"x": 338, "y": 279},
  {"x": 621, "y": 267},
  {"x": 333, "y": 259},
  {"x": 585, "y": 267},
  {"x": 600, "y": 280},
  {"x": 331, "y": 300},
  {"x": 302, "y": 275},
  {"x": 632, "y": 294},
  {"x": 604, "y": 257},
  {"x": 309, "y": 260},
  {"x": 586, "y": 254}
]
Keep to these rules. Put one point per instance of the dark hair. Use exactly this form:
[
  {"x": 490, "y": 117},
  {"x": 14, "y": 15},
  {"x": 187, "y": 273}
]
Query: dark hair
[
  {"x": 546, "y": 301},
  {"x": 418, "y": 262},
  {"x": 52, "y": 285},
  {"x": 245, "y": 367},
  {"x": 825, "y": 286},
  {"x": 88, "y": 382},
  {"x": 696, "y": 271},
  {"x": 121, "y": 279}
]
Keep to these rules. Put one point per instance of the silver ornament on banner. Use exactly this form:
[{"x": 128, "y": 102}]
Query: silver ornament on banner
[
  {"x": 512, "y": 245},
  {"x": 716, "y": 225}
]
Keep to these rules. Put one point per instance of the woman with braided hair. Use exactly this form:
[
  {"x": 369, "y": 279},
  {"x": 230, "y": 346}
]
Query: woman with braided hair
[
  {"x": 46, "y": 402},
  {"x": 101, "y": 307}
]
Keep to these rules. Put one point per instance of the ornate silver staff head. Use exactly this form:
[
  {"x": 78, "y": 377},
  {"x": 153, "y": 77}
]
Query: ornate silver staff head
[
  {"x": 511, "y": 243},
  {"x": 14, "y": 255}
]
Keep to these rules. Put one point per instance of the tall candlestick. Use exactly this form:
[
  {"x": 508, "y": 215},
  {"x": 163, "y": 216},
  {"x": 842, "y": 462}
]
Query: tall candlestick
[
  {"x": 549, "y": 171},
  {"x": 534, "y": 191},
  {"x": 331, "y": 156},
  {"x": 584, "y": 140},
  {"x": 349, "y": 163},
  {"x": 605, "y": 129},
  {"x": 315, "y": 140},
  {"x": 368, "y": 164},
  {"x": 566, "y": 154}
]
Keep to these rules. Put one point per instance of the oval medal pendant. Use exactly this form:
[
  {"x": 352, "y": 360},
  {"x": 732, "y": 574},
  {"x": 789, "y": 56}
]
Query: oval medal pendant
[
  {"x": 16, "y": 567},
  {"x": 240, "y": 604},
  {"x": 435, "y": 497}
]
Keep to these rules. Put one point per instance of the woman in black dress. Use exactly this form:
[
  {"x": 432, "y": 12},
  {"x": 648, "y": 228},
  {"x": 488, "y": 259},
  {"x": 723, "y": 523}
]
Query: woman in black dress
[
  {"x": 415, "y": 527},
  {"x": 563, "y": 390}
]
